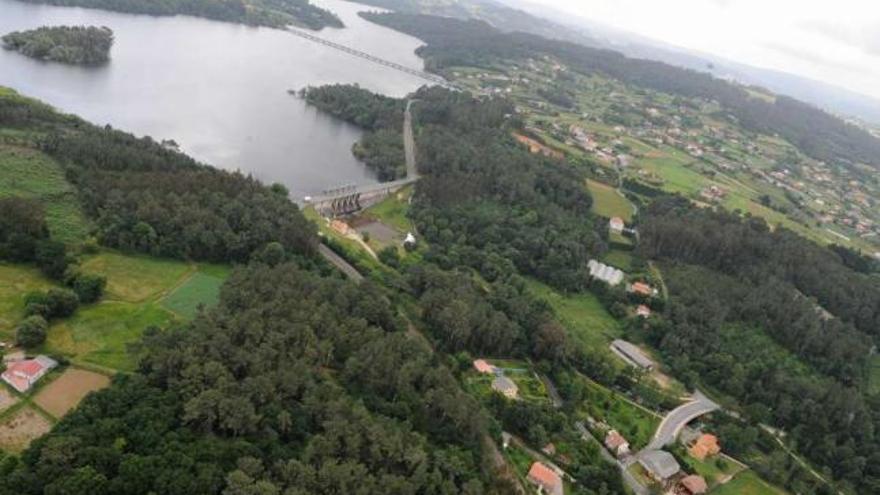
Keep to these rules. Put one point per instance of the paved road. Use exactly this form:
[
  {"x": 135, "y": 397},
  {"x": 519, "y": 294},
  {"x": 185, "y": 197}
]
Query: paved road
[
  {"x": 672, "y": 424},
  {"x": 340, "y": 263},
  {"x": 551, "y": 390},
  {"x": 409, "y": 144}
]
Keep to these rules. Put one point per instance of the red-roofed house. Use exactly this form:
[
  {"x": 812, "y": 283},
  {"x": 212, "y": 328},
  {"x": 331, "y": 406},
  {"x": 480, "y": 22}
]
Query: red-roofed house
[
  {"x": 616, "y": 225},
  {"x": 706, "y": 445},
  {"x": 694, "y": 485},
  {"x": 546, "y": 479},
  {"x": 616, "y": 443},
  {"x": 643, "y": 311},
  {"x": 483, "y": 367},
  {"x": 22, "y": 375},
  {"x": 642, "y": 289}
]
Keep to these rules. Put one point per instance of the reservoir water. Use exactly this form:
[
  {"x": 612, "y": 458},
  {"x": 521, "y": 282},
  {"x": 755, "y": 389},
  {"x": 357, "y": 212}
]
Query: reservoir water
[{"x": 219, "y": 89}]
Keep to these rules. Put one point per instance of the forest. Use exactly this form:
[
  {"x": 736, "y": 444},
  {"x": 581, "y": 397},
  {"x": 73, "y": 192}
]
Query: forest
[
  {"x": 144, "y": 197},
  {"x": 78, "y": 45},
  {"x": 781, "y": 324},
  {"x": 271, "y": 13},
  {"x": 453, "y": 42},
  {"x": 254, "y": 398},
  {"x": 484, "y": 201}
]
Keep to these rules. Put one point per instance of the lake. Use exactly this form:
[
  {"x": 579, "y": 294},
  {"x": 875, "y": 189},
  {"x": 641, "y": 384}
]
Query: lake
[{"x": 218, "y": 89}]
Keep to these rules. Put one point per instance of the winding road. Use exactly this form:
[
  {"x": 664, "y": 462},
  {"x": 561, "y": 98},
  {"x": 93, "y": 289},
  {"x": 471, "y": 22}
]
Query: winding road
[{"x": 672, "y": 424}]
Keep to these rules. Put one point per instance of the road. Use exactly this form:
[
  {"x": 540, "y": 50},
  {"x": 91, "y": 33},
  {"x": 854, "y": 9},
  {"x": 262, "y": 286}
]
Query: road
[
  {"x": 628, "y": 478},
  {"x": 409, "y": 143},
  {"x": 339, "y": 263},
  {"x": 672, "y": 424}
]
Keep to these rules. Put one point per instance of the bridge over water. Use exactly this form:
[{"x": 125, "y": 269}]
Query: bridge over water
[
  {"x": 372, "y": 58},
  {"x": 350, "y": 199}
]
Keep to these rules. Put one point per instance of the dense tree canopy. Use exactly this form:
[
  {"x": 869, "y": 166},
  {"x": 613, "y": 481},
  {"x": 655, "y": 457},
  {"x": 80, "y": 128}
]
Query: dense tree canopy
[
  {"x": 740, "y": 319},
  {"x": 69, "y": 44},
  {"x": 283, "y": 388},
  {"x": 148, "y": 198},
  {"x": 272, "y": 13}
]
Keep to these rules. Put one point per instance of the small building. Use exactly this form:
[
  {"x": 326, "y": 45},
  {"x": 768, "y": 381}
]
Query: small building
[
  {"x": 630, "y": 353},
  {"x": 22, "y": 375},
  {"x": 410, "y": 240},
  {"x": 643, "y": 311},
  {"x": 660, "y": 465},
  {"x": 483, "y": 366},
  {"x": 547, "y": 480},
  {"x": 608, "y": 274},
  {"x": 615, "y": 442},
  {"x": 693, "y": 485},
  {"x": 340, "y": 227},
  {"x": 706, "y": 445},
  {"x": 642, "y": 289},
  {"x": 549, "y": 449},
  {"x": 505, "y": 386},
  {"x": 616, "y": 225}
]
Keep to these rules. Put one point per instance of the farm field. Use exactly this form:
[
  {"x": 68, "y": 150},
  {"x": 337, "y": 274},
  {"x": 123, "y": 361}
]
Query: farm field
[
  {"x": 608, "y": 203},
  {"x": 201, "y": 289},
  {"x": 747, "y": 483},
  {"x": 101, "y": 334},
  {"x": 28, "y": 173},
  {"x": 19, "y": 428},
  {"x": 134, "y": 278},
  {"x": 66, "y": 392},
  {"x": 582, "y": 314},
  {"x": 7, "y": 400}
]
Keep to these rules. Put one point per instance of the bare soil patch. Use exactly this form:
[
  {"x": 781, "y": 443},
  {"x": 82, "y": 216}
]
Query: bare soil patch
[
  {"x": 26, "y": 425},
  {"x": 7, "y": 400},
  {"x": 66, "y": 392}
]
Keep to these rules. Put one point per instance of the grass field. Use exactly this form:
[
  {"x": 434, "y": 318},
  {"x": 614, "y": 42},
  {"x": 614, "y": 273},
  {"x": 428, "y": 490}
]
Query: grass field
[
  {"x": 582, "y": 314},
  {"x": 101, "y": 334},
  {"x": 618, "y": 259},
  {"x": 66, "y": 392},
  {"x": 633, "y": 422},
  {"x": 393, "y": 210},
  {"x": 133, "y": 278},
  {"x": 31, "y": 174},
  {"x": 747, "y": 483},
  {"x": 15, "y": 282},
  {"x": 608, "y": 203},
  {"x": 201, "y": 289}
]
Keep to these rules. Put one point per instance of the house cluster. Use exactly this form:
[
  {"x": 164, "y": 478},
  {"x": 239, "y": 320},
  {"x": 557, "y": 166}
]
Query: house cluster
[
  {"x": 22, "y": 374},
  {"x": 662, "y": 467},
  {"x": 608, "y": 274},
  {"x": 501, "y": 384}
]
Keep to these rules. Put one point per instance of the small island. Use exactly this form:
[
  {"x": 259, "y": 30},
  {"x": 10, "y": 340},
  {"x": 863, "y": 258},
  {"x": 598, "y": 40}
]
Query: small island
[{"x": 78, "y": 45}]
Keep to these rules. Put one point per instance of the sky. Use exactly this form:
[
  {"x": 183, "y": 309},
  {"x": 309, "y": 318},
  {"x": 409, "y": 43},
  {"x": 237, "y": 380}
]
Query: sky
[{"x": 835, "y": 41}]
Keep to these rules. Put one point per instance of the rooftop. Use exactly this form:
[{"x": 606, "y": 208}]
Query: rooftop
[{"x": 660, "y": 463}]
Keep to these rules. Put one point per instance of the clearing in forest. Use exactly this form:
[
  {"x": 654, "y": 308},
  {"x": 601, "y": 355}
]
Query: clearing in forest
[
  {"x": 202, "y": 289},
  {"x": 17, "y": 281},
  {"x": 607, "y": 202},
  {"x": 31, "y": 174}
]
